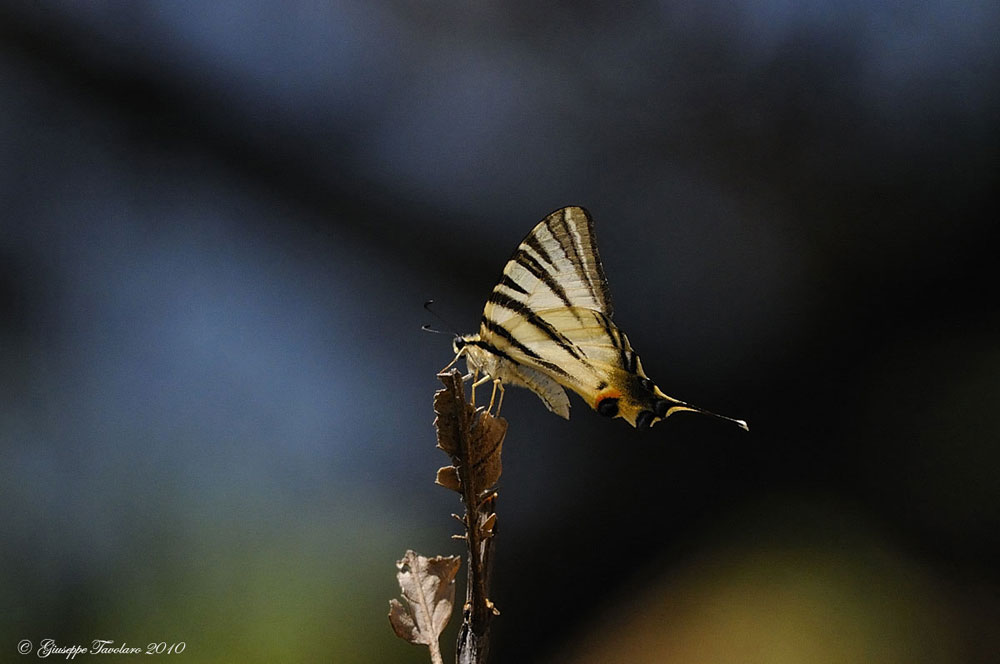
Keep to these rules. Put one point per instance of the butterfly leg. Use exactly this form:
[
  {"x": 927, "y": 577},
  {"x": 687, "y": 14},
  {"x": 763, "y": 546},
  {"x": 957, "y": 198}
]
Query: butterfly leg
[
  {"x": 476, "y": 383},
  {"x": 472, "y": 376},
  {"x": 497, "y": 385},
  {"x": 493, "y": 395},
  {"x": 450, "y": 364}
]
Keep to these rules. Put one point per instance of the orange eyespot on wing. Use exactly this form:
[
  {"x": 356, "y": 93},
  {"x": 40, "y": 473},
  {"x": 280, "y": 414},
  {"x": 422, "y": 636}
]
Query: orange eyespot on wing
[{"x": 607, "y": 402}]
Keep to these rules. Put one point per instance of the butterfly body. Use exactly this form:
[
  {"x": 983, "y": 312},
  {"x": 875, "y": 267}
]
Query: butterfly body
[{"x": 547, "y": 326}]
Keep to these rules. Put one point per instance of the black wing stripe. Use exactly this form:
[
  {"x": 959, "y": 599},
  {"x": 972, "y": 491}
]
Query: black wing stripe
[
  {"x": 633, "y": 357},
  {"x": 507, "y": 302},
  {"x": 563, "y": 236},
  {"x": 536, "y": 246},
  {"x": 528, "y": 261},
  {"x": 490, "y": 348},
  {"x": 612, "y": 333},
  {"x": 487, "y": 346},
  {"x": 579, "y": 250},
  {"x": 562, "y": 239},
  {"x": 496, "y": 328},
  {"x": 503, "y": 332},
  {"x": 509, "y": 282},
  {"x": 582, "y": 235}
]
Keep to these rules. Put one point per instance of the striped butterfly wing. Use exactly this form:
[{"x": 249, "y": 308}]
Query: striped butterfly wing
[
  {"x": 547, "y": 325},
  {"x": 556, "y": 267},
  {"x": 605, "y": 370},
  {"x": 551, "y": 315},
  {"x": 608, "y": 374}
]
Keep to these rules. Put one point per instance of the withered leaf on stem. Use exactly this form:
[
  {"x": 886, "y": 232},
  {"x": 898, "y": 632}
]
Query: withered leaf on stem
[
  {"x": 487, "y": 443},
  {"x": 447, "y": 476},
  {"x": 474, "y": 439},
  {"x": 487, "y": 524},
  {"x": 428, "y": 585},
  {"x": 453, "y": 413}
]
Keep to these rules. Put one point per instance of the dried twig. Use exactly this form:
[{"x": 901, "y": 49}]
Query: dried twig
[{"x": 473, "y": 439}]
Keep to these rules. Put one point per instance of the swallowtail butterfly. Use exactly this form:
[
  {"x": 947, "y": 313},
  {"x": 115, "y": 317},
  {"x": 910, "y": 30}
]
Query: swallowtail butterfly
[{"x": 547, "y": 326}]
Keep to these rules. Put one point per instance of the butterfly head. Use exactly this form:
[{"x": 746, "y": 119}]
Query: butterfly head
[
  {"x": 476, "y": 358},
  {"x": 459, "y": 344}
]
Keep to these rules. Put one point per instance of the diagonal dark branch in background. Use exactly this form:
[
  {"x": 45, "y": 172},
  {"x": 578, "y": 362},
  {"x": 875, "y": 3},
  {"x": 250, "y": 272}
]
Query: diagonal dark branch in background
[{"x": 157, "y": 109}]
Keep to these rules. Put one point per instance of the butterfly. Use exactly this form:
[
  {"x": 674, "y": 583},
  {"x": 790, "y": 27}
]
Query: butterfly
[{"x": 547, "y": 326}]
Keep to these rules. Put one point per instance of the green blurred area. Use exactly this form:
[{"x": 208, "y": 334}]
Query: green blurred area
[{"x": 817, "y": 585}]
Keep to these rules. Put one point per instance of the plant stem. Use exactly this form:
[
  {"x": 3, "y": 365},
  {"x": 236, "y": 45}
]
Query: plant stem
[{"x": 474, "y": 634}]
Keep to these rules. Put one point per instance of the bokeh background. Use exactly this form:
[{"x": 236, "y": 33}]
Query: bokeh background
[{"x": 220, "y": 221}]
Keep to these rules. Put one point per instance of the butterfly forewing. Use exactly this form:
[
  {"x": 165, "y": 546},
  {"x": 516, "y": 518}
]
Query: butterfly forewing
[{"x": 556, "y": 265}]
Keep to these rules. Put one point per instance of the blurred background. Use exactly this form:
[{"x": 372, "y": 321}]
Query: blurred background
[{"x": 220, "y": 221}]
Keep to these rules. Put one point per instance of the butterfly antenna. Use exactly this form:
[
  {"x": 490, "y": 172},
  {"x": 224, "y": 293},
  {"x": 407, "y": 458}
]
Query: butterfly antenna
[{"x": 428, "y": 328}]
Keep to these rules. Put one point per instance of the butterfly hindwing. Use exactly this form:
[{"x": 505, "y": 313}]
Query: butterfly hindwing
[
  {"x": 549, "y": 391},
  {"x": 592, "y": 357}
]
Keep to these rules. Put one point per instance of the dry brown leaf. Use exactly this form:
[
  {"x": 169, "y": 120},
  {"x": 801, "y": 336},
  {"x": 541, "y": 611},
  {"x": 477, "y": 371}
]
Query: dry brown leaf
[
  {"x": 447, "y": 476},
  {"x": 487, "y": 443},
  {"x": 428, "y": 585},
  {"x": 486, "y": 528},
  {"x": 473, "y": 439},
  {"x": 449, "y": 406}
]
